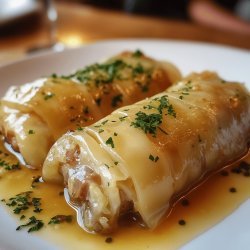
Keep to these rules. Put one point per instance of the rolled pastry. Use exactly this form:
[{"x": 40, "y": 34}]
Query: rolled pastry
[
  {"x": 34, "y": 115},
  {"x": 144, "y": 155}
]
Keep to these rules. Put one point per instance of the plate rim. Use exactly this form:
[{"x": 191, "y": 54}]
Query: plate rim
[{"x": 49, "y": 52}]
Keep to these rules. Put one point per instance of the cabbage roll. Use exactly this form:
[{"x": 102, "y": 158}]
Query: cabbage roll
[
  {"x": 143, "y": 156},
  {"x": 34, "y": 115}
]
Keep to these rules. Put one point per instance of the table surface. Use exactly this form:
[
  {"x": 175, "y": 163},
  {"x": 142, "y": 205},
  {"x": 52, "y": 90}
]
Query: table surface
[{"x": 81, "y": 24}]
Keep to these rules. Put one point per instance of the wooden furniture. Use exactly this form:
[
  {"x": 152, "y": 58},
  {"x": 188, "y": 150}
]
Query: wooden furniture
[{"x": 81, "y": 24}]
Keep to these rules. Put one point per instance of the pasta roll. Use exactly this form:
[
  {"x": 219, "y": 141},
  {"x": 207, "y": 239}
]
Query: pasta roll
[
  {"x": 142, "y": 156},
  {"x": 34, "y": 115}
]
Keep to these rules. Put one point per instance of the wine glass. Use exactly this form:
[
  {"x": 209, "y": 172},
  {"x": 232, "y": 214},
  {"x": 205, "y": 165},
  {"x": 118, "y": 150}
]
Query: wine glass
[{"x": 51, "y": 16}]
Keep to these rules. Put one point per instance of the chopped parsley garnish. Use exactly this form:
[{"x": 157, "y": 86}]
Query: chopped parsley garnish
[
  {"x": 34, "y": 225},
  {"x": 79, "y": 129},
  {"x": 116, "y": 100},
  {"x": 148, "y": 123},
  {"x": 106, "y": 165},
  {"x": 48, "y": 96},
  {"x": 164, "y": 104},
  {"x": 22, "y": 217},
  {"x": 31, "y": 132},
  {"x": 243, "y": 168},
  {"x": 36, "y": 202},
  {"x": 24, "y": 201},
  {"x": 138, "y": 69},
  {"x": 182, "y": 222},
  {"x": 58, "y": 219},
  {"x": 137, "y": 53},
  {"x": 144, "y": 87},
  {"x": 152, "y": 158},
  {"x": 110, "y": 142},
  {"x": 99, "y": 73},
  {"x": 232, "y": 190},
  {"x": 109, "y": 240},
  {"x": 186, "y": 88},
  {"x": 35, "y": 180},
  {"x": 7, "y": 166},
  {"x": 104, "y": 122},
  {"x": 122, "y": 118}
]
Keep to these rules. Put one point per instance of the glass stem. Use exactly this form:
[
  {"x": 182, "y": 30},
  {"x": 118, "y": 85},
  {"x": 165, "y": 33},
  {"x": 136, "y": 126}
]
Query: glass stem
[{"x": 51, "y": 14}]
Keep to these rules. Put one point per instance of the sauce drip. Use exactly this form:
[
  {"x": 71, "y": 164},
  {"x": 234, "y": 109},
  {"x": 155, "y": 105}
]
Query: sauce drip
[{"x": 202, "y": 208}]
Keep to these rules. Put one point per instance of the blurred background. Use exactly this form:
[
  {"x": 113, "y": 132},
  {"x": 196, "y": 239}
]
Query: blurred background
[{"x": 32, "y": 26}]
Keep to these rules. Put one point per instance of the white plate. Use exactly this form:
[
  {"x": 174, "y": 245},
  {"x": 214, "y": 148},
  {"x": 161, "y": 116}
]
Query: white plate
[{"x": 231, "y": 64}]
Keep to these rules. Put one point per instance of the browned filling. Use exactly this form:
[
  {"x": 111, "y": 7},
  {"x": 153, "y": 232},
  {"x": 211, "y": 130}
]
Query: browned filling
[{"x": 77, "y": 179}]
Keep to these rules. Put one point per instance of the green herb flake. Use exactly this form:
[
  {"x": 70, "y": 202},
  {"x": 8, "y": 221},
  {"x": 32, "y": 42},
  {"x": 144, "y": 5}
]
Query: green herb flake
[
  {"x": 58, "y": 219},
  {"x": 36, "y": 202},
  {"x": 34, "y": 225},
  {"x": 31, "y": 132},
  {"x": 23, "y": 201},
  {"x": 99, "y": 74},
  {"x": 138, "y": 69},
  {"x": 79, "y": 129},
  {"x": 35, "y": 180},
  {"x": 104, "y": 122},
  {"x": 7, "y": 166},
  {"x": 110, "y": 142},
  {"x": 152, "y": 158},
  {"x": 107, "y": 165},
  {"x": 148, "y": 123},
  {"x": 48, "y": 96},
  {"x": 122, "y": 118},
  {"x": 22, "y": 217},
  {"x": 164, "y": 104},
  {"x": 109, "y": 240},
  {"x": 137, "y": 53},
  {"x": 188, "y": 86}
]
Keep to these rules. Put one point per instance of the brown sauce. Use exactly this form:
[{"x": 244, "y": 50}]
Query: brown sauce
[{"x": 202, "y": 208}]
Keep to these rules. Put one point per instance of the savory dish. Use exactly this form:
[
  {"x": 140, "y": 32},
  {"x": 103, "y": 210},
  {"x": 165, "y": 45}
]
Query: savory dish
[
  {"x": 34, "y": 115},
  {"x": 141, "y": 157}
]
